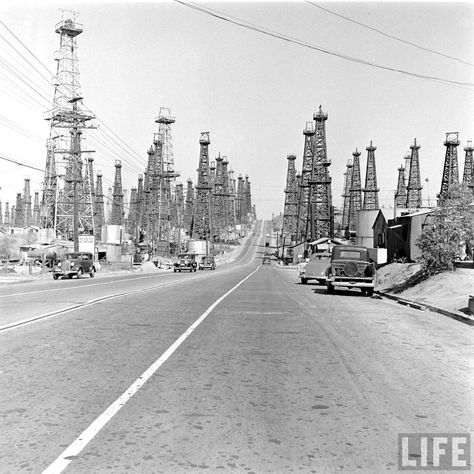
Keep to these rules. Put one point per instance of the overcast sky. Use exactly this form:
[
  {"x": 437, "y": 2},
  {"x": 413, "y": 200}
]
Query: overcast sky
[{"x": 252, "y": 92}]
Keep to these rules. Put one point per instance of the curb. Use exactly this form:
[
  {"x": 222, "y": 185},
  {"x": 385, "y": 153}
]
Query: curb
[{"x": 423, "y": 307}]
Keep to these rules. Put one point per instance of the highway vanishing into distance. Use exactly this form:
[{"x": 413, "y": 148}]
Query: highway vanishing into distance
[{"x": 241, "y": 369}]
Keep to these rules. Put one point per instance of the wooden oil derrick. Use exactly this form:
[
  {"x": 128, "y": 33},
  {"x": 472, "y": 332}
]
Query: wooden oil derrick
[
  {"x": 189, "y": 207},
  {"x": 401, "y": 192},
  {"x": 240, "y": 204},
  {"x": 371, "y": 191},
  {"x": 6, "y": 219},
  {"x": 450, "y": 169},
  {"x": 13, "y": 214},
  {"x": 18, "y": 214},
  {"x": 304, "y": 188},
  {"x": 99, "y": 211},
  {"x": 347, "y": 194},
  {"x": 468, "y": 175},
  {"x": 248, "y": 200},
  {"x": 202, "y": 207},
  {"x": 218, "y": 200},
  {"x": 140, "y": 205},
  {"x": 414, "y": 187},
  {"x": 132, "y": 220},
  {"x": 26, "y": 199},
  {"x": 320, "y": 216},
  {"x": 226, "y": 191},
  {"x": 36, "y": 210},
  {"x": 116, "y": 217},
  {"x": 356, "y": 191},
  {"x": 290, "y": 210}
]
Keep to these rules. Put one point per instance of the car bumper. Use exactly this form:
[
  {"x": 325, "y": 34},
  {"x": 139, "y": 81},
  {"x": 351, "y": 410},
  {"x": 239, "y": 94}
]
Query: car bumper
[{"x": 351, "y": 283}]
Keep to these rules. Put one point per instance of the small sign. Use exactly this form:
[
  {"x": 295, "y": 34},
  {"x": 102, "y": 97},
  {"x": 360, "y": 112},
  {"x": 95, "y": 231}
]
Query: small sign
[{"x": 86, "y": 243}]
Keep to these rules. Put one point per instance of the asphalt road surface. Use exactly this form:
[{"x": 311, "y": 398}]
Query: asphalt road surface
[{"x": 240, "y": 370}]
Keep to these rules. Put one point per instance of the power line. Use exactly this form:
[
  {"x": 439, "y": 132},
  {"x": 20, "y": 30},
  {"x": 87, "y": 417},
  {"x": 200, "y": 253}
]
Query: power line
[
  {"x": 388, "y": 35},
  {"x": 20, "y": 164},
  {"x": 259, "y": 29}
]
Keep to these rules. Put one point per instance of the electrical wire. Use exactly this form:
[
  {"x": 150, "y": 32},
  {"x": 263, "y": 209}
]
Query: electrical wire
[
  {"x": 20, "y": 164},
  {"x": 264, "y": 31},
  {"x": 388, "y": 35}
]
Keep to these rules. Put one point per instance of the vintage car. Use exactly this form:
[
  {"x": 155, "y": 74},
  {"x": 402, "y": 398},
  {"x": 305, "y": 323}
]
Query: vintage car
[
  {"x": 266, "y": 260},
  {"x": 207, "y": 261},
  {"x": 351, "y": 267},
  {"x": 75, "y": 263},
  {"x": 316, "y": 268},
  {"x": 186, "y": 261}
]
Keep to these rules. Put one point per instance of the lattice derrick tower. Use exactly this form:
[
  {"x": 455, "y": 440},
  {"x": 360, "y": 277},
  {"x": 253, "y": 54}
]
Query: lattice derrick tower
[
  {"x": 36, "y": 210},
  {"x": 232, "y": 199},
  {"x": 150, "y": 173},
  {"x": 450, "y": 169},
  {"x": 116, "y": 215},
  {"x": 240, "y": 200},
  {"x": 18, "y": 215},
  {"x": 132, "y": 219},
  {"x": 99, "y": 211},
  {"x": 219, "y": 200},
  {"x": 189, "y": 207},
  {"x": 320, "y": 199},
  {"x": 13, "y": 214},
  {"x": 414, "y": 187},
  {"x": 304, "y": 190},
  {"x": 401, "y": 192},
  {"x": 346, "y": 206},
  {"x": 356, "y": 191},
  {"x": 6, "y": 219},
  {"x": 244, "y": 204},
  {"x": 290, "y": 210},
  {"x": 248, "y": 200},
  {"x": 88, "y": 203},
  {"x": 202, "y": 206},
  {"x": 179, "y": 200},
  {"x": 65, "y": 206},
  {"x": 468, "y": 175},
  {"x": 226, "y": 192},
  {"x": 27, "y": 212},
  {"x": 371, "y": 191}
]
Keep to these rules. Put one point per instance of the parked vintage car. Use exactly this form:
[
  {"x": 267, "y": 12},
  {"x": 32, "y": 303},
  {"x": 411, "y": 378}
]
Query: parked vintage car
[
  {"x": 207, "y": 261},
  {"x": 351, "y": 267},
  {"x": 186, "y": 261},
  {"x": 266, "y": 260},
  {"x": 316, "y": 268},
  {"x": 75, "y": 263}
]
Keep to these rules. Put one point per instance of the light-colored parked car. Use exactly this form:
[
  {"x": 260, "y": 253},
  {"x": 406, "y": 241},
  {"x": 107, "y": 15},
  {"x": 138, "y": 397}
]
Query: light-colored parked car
[
  {"x": 316, "y": 268},
  {"x": 207, "y": 262}
]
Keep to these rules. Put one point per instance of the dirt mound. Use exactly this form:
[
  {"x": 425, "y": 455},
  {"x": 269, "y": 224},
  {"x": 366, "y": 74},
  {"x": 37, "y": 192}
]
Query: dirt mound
[{"x": 397, "y": 277}]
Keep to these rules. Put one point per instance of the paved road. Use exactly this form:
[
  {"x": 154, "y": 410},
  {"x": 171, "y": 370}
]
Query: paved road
[{"x": 278, "y": 377}]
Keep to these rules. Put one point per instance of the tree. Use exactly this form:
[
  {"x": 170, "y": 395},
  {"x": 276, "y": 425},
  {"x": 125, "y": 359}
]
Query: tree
[{"x": 451, "y": 231}]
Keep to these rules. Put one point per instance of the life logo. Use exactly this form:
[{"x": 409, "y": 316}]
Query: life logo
[{"x": 434, "y": 451}]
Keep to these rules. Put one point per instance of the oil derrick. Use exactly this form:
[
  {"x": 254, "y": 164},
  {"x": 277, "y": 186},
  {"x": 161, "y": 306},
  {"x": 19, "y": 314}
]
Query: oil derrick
[
  {"x": 212, "y": 181},
  {"x": 356, "y": 191},
  {"x": 179, "y": 204},
  {"x": 414, "y": 180},
  {"x": 26, "y": 199},
  {"x": 202, "y": 207},
  {"x": 189, "y": 207},
  {"x": 68, "y": 209},
  {"x": 132, "y": 219},
  {"x": 347, "y": 194},
  {"x": 226, "y": 191},
  {"x": 468, "y": 175},
  {"x": 99, "y": 212},
  {"x": 116, "y": 217},
  {"x": 140, "y": 205},
  {"x": 248, "y": 200},
  {"x": 36, "y": 210},
  {"x": 232, "y": 200},
  {"x": 151, "y": 173},
  {"x": 290, "y": 211},
  {"x": 88, "y": 203},
  {"x": 371, "y": 197},
  {"x": 12, "y": 217},
  {"x": 219, "y": 200},
  {"x": 6, "y": 219},
  {"x": 18, "y": 215},
  {"x": 303, "y": 200},
  {"x": 450, "y": 169},
  {"x": 240, "y": 201},
  {"x": 401, "y": 192},
  {"x": 108, "y": 205},
  {"x": 320, "y": 215}
]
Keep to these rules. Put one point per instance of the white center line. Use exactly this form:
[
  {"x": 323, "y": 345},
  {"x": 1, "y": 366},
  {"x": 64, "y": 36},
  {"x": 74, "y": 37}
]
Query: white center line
[{"x": 75, "y": 448}]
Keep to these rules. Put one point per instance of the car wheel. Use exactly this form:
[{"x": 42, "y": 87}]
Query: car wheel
[
  {"x": 363, "y": 290},
  {"x": 79, "y": 273},
  {"x": 92, "y": 273},
  {"x": 304, "y": 281},
  {"x": 330, "y": 288},
  {"x": 370, "y": 291},
  {"x": 55, "y": 277},
  {"x": 70, "y": 276}
]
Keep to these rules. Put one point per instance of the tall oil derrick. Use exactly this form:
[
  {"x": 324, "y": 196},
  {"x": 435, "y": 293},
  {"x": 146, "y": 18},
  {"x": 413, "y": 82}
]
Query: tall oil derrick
[
  {"x": 36, "y": 210},
  {"x": 140, "y": 205},
  {"x": 6, "y": 219},
  {"x": 450, "y": 169},
  {"x": 13, "y": 214},
  {"x": 407, "y": 166},
  {"x": 67, "y": 209},
  {"x": 303, "y": 201},
  {"x": 226, "y": 192},
  {"x": 18, "y": 215},
  {"x": 218, "y": 200},
  {"x": 232, "y": 200},
  {"x": 401, "y": 192},
  {"x": 248, "y": 200},
  {"x": 88, "y": 203},
  {"x": 132, "y": 220},
  {"x": 371, "y": 196},
  {"x": 179, "y": 203},
  {"x": 212, "y": 182},
  {"x": 468, "y": 175},
  {"x": 320, "y": 215},
  {"x": 116, "y": 217},
  {"x": 414, "y": 179},
  {"x": 151, "y": 173},
  {"x": 189, "y": 207},
  {"x": 346, "y": 203},
  {"x": 356, "y": 191},
  {"x": 202, "y": 207},
  {"x": 99, "y": 211},
  {"x": 290, "y": 211},
  {"x": 108, "y": 204},
  {"x": 240, "y": 200},
  {"x": 26, "y": 199}
]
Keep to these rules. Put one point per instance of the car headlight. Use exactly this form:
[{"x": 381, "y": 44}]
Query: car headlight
[{"x": 72, "y": 264}]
